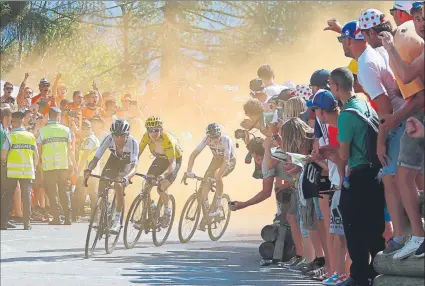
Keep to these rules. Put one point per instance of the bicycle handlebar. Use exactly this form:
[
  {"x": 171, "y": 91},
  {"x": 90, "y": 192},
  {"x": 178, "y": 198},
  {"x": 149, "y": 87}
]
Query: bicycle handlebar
[
  {"x": 185, "y": 177},
  {"x": 151, "y": 179},
  {"x": 106, "y": 179}
]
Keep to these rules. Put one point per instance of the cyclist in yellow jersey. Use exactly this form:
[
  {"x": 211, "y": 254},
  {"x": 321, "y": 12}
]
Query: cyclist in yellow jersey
[{"x": 168, "y": 159}]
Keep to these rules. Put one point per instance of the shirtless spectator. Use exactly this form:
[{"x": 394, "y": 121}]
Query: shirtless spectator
[
  {"x": 91, "y": 109},
  {"x": 25, "y": 94}
]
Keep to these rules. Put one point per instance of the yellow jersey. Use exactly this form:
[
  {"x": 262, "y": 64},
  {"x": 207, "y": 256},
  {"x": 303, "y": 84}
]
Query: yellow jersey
[{"x": 171, "y": 148}]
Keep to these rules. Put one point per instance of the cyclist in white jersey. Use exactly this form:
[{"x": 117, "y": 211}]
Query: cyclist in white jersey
[
  {"x": 121, "y": 164},
  {"x": 222, "y": 164}
]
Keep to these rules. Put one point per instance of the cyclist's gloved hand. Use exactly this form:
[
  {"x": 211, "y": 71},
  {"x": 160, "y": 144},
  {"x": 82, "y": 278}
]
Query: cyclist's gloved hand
[
  {"x": 190, "y": 175},
  {"x": 125, "y": 181}
]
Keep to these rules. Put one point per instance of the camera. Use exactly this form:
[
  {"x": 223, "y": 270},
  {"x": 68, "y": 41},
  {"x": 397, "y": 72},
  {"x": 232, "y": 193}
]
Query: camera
[{"x": 240, "y": 134}]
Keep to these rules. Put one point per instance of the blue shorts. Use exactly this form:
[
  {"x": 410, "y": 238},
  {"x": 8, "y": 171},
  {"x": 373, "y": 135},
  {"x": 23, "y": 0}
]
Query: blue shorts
[{"x": 393, "y": 149}]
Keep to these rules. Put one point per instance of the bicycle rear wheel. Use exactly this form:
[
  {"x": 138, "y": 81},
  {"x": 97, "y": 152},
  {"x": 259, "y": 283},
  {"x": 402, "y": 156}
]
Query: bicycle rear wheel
[
  {"x": 160, "y": 234},
  {"x": 111, "y": 239},
  {"x": 134, "y": 223},
  {"x": 95, "y": 226},
  {"x": 219, "y": 223},
  {"x": 190, "y": 214}
]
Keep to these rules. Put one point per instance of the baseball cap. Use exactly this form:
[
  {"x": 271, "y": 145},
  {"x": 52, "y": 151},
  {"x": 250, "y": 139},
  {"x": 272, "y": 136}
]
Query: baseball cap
[
  {"x": 320, "y": 78},
  {"x": 44, "y": 81},
  {"x": 352, "y": 30},
  {"x": 405, "y": 6},
  {"x": 18, "y": 114},
  {"x": 54, "y": 109},
  {"x": 304, "y": 91},
  {"x": 256, "y": 86},
  {"x": 323, "y": 100},
  {"x": 371, "y": 18}
]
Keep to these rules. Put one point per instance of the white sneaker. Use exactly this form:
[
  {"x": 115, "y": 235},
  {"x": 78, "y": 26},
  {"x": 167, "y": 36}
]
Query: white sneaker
[
  {"x": 216, "y": 211},
  {"x": 409, "y": 248},
  {"x": 116, "y": 226}
]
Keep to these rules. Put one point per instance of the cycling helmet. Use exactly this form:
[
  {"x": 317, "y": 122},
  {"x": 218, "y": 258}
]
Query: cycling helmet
[
  {"x": 120, "y": 128},
  {"x": 153, "y": 122},
  {"x": 213, "y": 130}
]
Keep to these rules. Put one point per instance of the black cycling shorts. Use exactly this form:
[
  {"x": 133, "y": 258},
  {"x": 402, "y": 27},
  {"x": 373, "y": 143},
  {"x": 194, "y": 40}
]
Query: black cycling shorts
[
  {"x": 160, "y": 165},
  {"x": 113, "y": 169},
  {"x": 216, "y": 163}
]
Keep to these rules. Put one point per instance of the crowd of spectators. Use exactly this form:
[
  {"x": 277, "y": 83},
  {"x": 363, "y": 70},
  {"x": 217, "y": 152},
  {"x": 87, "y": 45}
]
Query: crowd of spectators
[{"x": 358, "y": 131}]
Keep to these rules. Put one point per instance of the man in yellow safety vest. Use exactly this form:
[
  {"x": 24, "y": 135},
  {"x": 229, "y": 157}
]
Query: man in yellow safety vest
[
  {"x": 20, "y": 153},
  {"x": 56, "y": 155}
]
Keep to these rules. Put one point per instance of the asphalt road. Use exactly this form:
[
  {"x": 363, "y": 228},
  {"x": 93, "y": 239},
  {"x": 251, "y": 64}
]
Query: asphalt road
[{"x": 54, "y": 255}]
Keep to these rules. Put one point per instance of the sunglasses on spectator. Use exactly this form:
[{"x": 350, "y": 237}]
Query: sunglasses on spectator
[
  {"x": 154, "y": 130},
  {"x": 9, "y": 88},
  {"x": 340, "y": 39},
  {"x": 45, "y": 85},
  {"x": 392, "y": 11}
]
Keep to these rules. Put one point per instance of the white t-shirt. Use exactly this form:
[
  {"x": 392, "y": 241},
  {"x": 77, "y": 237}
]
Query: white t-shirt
[
  {"x": 376, "y": 76},
  {"x": 273, "y": 90},
  {"x": 224, "y": 147}
]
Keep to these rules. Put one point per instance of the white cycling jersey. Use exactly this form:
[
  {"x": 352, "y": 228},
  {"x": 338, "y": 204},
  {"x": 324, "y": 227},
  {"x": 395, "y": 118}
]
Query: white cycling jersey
[
  {"x": 130, "y": 150},
  {"x": 224, "y": 147}
]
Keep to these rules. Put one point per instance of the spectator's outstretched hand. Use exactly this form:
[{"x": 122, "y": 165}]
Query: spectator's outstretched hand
[
  {"x": 237, "y": 206},
  {"x": 387, "y": 40},
  {"x": 333, "y": 25},
  {"x": 27, "y": 75},
  {"x": 414, "y": 128}
]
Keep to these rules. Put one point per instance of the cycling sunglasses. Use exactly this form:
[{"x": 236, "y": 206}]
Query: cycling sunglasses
[{"x": 154, "y": 130}]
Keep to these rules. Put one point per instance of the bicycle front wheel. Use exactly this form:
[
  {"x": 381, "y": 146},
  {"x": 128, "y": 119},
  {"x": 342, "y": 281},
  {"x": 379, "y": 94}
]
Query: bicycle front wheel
[
  {"x": 219, "y": 223},
  {"x": 134, "y": 223},
  {"x": 163, "y": 228},
  {"x": 111, "y": 238},
  {"x": 189, "y": 219},
  {"x": 95, "y": 230}
]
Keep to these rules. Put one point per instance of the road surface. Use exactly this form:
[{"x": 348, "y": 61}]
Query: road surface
[{"x": 54, "y": 255}]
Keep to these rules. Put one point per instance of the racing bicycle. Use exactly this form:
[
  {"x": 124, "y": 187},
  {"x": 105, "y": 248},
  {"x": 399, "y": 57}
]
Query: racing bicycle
[
  {"x": 191, "y": 213},
  {"x": 102, "y": 217},
  {"x": 147, "y": 216}
]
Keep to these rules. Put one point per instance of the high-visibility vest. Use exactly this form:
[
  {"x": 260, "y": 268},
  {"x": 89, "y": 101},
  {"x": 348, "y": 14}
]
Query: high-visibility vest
[
  {"x": 96, "y": 145},
  {"x": 54, "y": 151},
  {"x": 20, "y": 158}
]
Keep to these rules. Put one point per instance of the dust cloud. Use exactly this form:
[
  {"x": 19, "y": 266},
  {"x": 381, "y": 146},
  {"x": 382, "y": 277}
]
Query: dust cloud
[{"x": 315, "y": 49}]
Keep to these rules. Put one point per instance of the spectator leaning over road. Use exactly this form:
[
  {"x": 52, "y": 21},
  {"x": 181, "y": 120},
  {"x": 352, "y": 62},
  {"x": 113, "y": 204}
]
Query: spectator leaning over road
[
  {"x": 20, "y": 152},
  {"x": 25, "y": 93},
  {"x": 409, "y": 44},
  {"x": 7, "y": 95},
  {"x": 378, "y": 82},
  {"x": 406, "y": 48},
  {"x": 363, "y": 229},
  {"x": 54, "y": 146}
]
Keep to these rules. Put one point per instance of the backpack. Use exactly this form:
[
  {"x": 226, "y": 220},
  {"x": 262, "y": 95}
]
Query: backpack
[{"x": 371, "y": 137}]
